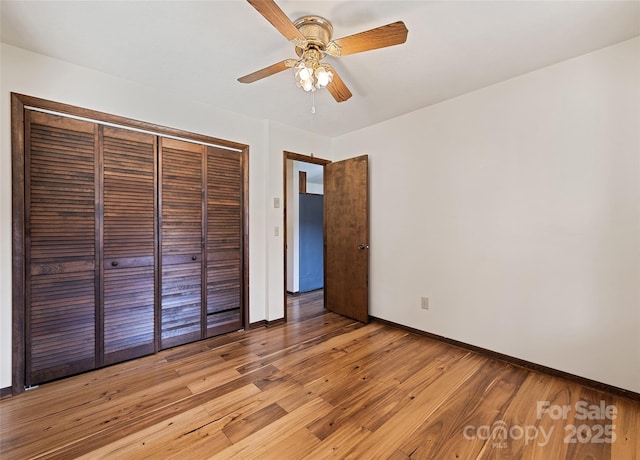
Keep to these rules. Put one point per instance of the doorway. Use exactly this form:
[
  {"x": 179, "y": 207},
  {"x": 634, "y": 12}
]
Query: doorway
[
  {"x": 345, "y": 223},
  {"x": 303, "y": 226}
]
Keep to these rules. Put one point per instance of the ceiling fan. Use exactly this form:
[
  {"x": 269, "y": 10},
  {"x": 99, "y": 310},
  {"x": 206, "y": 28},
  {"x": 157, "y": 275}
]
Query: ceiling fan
[{"x": 312, "y": 37}]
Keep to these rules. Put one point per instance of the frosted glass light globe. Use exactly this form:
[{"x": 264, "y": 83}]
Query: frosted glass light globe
[
  {"x": 304, "y": 73},
  {"x": 323, "y": 77}
]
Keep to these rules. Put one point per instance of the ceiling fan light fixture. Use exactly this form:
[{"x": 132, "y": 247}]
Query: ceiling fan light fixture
[
  {"x": 304, "y": 76},
  {"x": 310, "y": 74},
  {"x": 305, "y": 73},
  {"x": 307, "y": 85},
  {"x": 323, "y": 76}
]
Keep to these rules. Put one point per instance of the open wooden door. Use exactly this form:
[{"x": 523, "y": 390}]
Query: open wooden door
[{"x": 346, "y": 220}]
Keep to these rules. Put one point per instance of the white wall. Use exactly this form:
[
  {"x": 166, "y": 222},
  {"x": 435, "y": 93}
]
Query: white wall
[
  {"x": 517, "y": 212},
  {"x": 40, "y": 76},
  {"x": 293, "y": 229},
  {"x": 317, "y": 189}
]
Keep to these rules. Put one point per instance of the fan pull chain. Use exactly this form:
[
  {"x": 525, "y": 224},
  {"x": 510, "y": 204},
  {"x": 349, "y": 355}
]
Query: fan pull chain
[{"x": 313, "y": 102}]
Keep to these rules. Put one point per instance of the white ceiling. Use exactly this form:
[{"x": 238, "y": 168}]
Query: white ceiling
[{"x": 199, "y": 48}]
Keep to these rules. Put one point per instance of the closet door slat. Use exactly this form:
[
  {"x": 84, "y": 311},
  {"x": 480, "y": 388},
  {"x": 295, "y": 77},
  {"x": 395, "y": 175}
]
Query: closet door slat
[
  {"x": 129, "y": 171},
  {"x": 60, "y": 202},
  {"x": 224, "y": 241},
  {"x": 181, "y": 242}
]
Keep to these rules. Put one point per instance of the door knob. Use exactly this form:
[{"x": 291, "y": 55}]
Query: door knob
[{"x": 363, "y": 246}]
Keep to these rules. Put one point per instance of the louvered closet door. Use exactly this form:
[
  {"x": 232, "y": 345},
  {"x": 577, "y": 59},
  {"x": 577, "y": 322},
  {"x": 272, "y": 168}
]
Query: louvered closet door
[
  {"x": 224, "y": 241},
  {"x": 181, "y": 241},
  {"x": 129, "y": 244},
  {"x": 61, "y": 278}
]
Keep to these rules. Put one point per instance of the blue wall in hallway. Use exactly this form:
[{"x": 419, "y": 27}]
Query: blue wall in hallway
[{"x": 311, "y": 242}]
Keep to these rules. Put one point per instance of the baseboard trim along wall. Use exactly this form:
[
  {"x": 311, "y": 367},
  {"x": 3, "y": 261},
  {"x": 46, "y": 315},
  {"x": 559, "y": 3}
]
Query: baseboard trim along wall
[
  {"x": 275, "y": 322},
  {"x": 604, "y": 387},
  {"x": 6, "y": 392},
  {"x": 265, "y": 323},
  {"x": 258, "y": 324}
]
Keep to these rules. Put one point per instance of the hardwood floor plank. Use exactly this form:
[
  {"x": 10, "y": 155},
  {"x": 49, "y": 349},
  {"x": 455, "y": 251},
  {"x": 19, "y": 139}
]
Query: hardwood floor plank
[
  {"x": 352, "y": 406},
  {"x": 325, "y": 339},
  {"x": 479, "y": 401},
  {"x": 339, "y": 443},
  {"x": 172, "y": 436},
  {"x": 81, "y": 423},
  {"x": 208, "y": 379},
  {"x": 296, "y": 445},
  {"x": 523, "y": 413},
  {"x": 382, "y": 410},
  {"x": 320, "y": 386},
  {"x": 367, "y": 368},
  {"x": 241, "y": 428},
  {"x": 390, "y": 436},
  {"x": 260, "y": 444},
  {"x": 588, "y": 440},
  {"x": 627, "y": 430},
  {"x": 139, "y": 420}
]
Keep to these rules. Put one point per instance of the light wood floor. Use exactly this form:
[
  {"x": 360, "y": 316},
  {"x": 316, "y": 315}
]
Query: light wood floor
[{"x": 319, "y": 386}]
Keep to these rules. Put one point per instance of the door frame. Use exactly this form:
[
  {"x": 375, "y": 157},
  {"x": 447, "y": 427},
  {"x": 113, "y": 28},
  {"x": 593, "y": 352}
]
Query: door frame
[{"x": 305, "y": 159}]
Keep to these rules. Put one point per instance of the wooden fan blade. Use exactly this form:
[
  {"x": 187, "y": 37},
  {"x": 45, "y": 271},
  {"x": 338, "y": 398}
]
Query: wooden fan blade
[
  {"x": 279, "y": 20},
  {"x": 380, "y": 37},
  {"x": 337, "y": 88},
  {"x": 268, "y": 71}
]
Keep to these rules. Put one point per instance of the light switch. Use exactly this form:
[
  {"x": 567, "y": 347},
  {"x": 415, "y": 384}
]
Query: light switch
[
  {"x": 276, "y": 202},
  {"x": 276, "y": 231}
]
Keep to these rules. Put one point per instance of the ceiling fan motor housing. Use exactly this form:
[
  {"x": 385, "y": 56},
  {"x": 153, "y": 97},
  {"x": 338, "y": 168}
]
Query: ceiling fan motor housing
[{"x": 317, "y": 30}]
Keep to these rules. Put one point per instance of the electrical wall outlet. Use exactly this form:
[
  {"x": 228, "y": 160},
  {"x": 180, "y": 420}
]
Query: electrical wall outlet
[
  {"x": 424, "y": 303},
  {"x": 276, "y": 231}
]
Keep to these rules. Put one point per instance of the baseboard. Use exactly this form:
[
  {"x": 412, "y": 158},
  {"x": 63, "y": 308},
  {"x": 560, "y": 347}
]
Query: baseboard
[
  {"x": 6, "y": 392},
  {"x": 265, "y": 323},
  {"x": 258, "y": 324},
  {"x": 299, "y": 293},
  {"x": 275, "y": 322},
  {"x": 593, "y": 384}
]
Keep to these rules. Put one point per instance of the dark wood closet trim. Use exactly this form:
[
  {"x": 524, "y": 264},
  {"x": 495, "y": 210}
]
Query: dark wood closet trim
[
  {"x": 19, "y": 102},
  {"x": 26, "y": 245},
  {"x": 306, "y": 159},
  {"x": 17, "y": 243},
  {"x": 124, "y": 122},
  {"x": 244, "y": 199},
  {"x": 594, "y": 384}
]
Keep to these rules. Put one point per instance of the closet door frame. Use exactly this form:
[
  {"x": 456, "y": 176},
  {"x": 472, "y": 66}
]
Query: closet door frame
[{"x": 20, "y": 103}]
